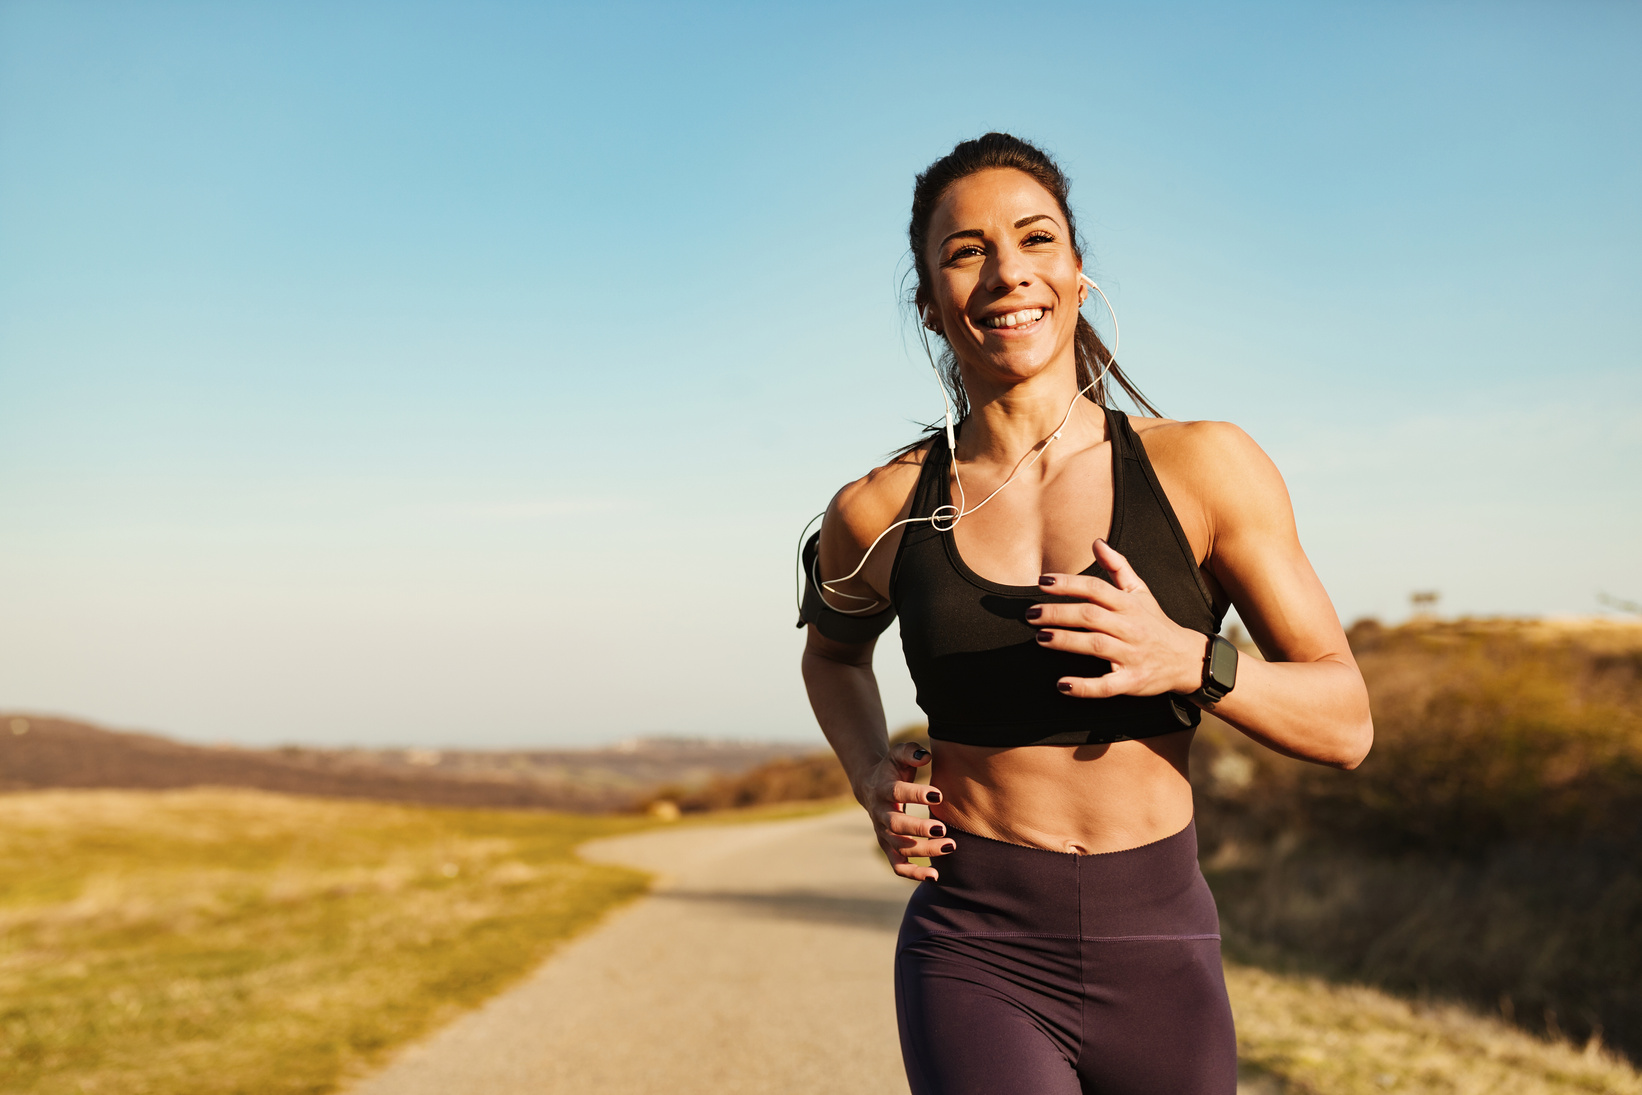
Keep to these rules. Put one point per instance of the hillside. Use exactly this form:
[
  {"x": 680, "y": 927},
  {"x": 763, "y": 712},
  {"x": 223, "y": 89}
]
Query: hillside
[
  {"x": 37, "y": 753},
  {"x": 1485, "y": 851}
]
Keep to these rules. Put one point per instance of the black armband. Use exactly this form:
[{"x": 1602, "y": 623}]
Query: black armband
[{"x": 838, "y": 626}]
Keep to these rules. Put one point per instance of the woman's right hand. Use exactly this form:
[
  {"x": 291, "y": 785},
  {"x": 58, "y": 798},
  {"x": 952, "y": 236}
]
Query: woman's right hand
[{"x": 885, "y": 792}]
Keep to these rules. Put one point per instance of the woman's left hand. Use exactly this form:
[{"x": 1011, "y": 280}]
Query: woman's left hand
[{"x": 1121, "y": 622}]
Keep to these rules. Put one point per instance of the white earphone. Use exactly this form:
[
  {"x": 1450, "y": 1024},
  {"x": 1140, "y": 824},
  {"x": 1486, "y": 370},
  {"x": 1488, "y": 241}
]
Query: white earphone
[{"x": 956, "y": 513}]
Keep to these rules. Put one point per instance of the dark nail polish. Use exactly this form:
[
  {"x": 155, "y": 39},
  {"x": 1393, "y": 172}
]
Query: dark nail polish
[
  {"x": 937, "y": 830},
  {"x": 1046, "y": 580},
  {"x": 1034, "y": 612},
  {"x": 1064, "y": 686},
  {"x": 1045, "y": 636},
  {"x": 933, "y": 796},
  {"x": 946, "y": 849},
  {"x": 920, "y": 754}
]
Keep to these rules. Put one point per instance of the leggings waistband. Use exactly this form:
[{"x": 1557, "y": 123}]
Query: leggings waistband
[{"x": 992, "y": 887}]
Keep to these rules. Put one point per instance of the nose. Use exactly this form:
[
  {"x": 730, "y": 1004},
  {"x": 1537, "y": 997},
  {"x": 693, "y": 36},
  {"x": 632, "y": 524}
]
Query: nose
[{"x": 1007, "y": 271}]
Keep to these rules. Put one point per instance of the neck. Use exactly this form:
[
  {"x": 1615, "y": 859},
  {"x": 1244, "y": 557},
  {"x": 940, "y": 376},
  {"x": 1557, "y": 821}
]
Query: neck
[{"x": 1008, "y": 421}]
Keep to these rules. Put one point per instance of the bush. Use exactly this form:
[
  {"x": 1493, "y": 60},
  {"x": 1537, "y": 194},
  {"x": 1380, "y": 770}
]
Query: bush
[
  {"x": 801, "y": 779},
  {"x": 1487, "y": 849},
  {"x": 1484, "y": 733}
]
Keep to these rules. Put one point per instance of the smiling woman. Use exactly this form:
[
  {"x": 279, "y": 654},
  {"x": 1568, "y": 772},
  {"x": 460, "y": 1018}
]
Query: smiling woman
[
  {"x": 1062, "y": 634},
  {"x": 1092, "y": 355}
]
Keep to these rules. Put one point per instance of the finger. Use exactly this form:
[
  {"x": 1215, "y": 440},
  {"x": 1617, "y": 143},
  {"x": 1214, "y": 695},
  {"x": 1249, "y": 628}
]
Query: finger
[
  {"x": 1123, "y": 575},
  {"x": 901, "y": 866},
  {"x": 904, "y": 792},
  {"x": 907, "y": 825},
  {"x": 910, "y": 754},
  {"x": 1115, "y": 683},
  {"x": 1087, "y": 617},
  {"x": 1093, "y": 643},
  {"x": 917, "y": 846},
  {"x": 1085, "y": 587},
  {"x": 916, "y": 871}
]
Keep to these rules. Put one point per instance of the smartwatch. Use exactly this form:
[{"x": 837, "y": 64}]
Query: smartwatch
[{"x": 1219, "y": 671}]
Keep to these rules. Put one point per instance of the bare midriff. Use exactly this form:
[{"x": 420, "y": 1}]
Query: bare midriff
[{"x": 1086, "y": 799}]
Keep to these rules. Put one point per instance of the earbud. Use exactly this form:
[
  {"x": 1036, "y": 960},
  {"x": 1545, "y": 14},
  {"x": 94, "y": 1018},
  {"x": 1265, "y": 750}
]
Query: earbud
[
  {"x": 1089, "y": 281},
  {"x": 1117, "y": 335}
]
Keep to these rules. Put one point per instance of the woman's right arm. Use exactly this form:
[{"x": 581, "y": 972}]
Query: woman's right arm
[
  {"x": 838, "y": 675},
  {"x": 844, "y": 695}
]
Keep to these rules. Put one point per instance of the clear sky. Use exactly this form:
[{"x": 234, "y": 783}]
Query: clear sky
[{"x": 463, "y": 372}]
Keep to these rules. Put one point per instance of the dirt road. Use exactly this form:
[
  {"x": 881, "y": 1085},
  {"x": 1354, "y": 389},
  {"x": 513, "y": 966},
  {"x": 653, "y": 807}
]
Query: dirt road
[{"x": 760, "y": 963}]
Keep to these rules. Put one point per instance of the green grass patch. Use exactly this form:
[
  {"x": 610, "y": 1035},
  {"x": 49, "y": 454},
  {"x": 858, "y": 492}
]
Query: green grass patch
[{"x": 238, "y": 941}]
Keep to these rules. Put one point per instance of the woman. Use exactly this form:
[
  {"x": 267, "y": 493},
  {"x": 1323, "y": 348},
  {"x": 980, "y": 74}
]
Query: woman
[{"x": 1062, "y": 636}]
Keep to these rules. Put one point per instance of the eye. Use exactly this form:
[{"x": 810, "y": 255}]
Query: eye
[
  {"x": 1038, "y": 237},
  {"x": 968, "y": 250}
]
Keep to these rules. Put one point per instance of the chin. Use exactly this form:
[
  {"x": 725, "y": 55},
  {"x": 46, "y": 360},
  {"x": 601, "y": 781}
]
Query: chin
[{"x": 1017, "y": 365}]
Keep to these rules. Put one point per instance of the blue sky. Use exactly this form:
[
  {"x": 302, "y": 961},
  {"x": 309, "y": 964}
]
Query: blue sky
[{"x": 462, "y": 373}]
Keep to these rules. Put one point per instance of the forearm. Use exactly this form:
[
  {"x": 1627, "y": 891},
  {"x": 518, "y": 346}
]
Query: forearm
[
  {"x": 1316, "y": 711},
  {"x": 846, "y": 702}
]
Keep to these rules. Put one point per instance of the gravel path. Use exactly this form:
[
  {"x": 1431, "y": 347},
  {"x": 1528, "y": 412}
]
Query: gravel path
[{"x": 759, "y": 964}]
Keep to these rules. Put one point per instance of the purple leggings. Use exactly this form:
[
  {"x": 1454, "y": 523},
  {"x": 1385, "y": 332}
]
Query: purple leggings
[{"x": 1029, "y": 972}]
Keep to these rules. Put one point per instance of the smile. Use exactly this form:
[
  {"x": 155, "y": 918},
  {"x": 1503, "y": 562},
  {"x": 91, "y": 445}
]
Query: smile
[{"x": 1011, "y": 320}]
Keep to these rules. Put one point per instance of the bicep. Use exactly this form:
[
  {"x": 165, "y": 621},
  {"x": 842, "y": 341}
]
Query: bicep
[
  {"x": 842, "y": 560},
  {"x": 1257, "y": 558},
  {"x": 817, "y": 645},
  {"x": 862, "y": 530}
]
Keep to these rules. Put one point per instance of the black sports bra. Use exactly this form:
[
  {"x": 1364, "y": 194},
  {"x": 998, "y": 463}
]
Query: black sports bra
[{"x": 982, "y": 677}]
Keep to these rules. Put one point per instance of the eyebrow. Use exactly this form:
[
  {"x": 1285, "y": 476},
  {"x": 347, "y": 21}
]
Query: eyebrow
[{"x": 976, "y": 233}]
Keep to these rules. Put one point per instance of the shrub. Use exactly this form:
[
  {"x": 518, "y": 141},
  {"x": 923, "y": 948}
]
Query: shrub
[
  {"x": 800, "y": 779},
  {"x": 1484, "y": 733},
  {"x": 1485, "y": 850}
]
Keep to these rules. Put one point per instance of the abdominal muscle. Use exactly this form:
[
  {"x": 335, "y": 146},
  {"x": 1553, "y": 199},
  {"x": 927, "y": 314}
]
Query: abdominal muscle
[{"x": 1085, "y": 799}]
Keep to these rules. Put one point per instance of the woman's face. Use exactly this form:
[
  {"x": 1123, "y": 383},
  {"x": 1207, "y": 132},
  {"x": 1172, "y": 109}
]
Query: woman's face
[{"x": 1004, "y": 286}]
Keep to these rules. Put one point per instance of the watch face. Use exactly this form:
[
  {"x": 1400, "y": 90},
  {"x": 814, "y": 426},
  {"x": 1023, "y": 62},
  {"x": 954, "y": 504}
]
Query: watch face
[{"x": 1223, "y": 664}]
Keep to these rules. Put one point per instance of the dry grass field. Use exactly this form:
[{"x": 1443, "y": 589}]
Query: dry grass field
[
  {"x": 222, "y": 942},
  {"x": 1487, "y": 851},
  {"x": 1389, "y": 929},
  {"x": 1304, "y": 1035},
  {"x": 243, "y": 942}
]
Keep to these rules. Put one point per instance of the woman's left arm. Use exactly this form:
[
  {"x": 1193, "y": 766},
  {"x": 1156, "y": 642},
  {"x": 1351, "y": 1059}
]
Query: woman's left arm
[{"x": 1307, "y": 699}]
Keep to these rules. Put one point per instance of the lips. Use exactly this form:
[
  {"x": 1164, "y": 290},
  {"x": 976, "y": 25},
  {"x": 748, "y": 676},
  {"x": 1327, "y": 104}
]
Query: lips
[{"x": 1011, "y": 320}]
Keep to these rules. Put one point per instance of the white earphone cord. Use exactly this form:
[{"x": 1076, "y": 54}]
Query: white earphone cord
[{"x": 957, "y": 513}]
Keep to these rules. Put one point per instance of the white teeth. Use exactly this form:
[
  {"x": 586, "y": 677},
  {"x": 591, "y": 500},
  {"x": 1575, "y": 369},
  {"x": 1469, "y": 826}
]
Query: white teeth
[{"x": 1016, "y": 319}]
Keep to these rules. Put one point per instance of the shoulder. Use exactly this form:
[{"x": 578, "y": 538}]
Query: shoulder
[
  {"x": 1219, "y": 466},
  {"x": 863, "y": 508},
  {"x": 1205, "y": 445}
]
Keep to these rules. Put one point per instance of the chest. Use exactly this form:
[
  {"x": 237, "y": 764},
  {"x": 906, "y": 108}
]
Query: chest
[{"x": 1047, "y": 523}]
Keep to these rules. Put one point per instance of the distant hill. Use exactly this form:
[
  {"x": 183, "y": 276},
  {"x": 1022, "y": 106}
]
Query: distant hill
[{"x": 39, "y": 752}]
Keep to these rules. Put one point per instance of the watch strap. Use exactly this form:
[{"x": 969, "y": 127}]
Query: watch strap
[{"x": 1219, "y": 671}]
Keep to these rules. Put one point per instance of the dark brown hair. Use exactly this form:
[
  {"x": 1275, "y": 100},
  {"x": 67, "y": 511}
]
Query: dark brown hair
[{"x": 997, "y": 150}]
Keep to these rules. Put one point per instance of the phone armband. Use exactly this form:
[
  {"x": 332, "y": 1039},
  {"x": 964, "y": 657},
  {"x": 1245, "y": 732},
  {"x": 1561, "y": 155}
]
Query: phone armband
[{"x": 842, "y": 627}]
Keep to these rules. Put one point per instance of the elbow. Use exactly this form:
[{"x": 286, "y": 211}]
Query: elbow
[
  {"x": 1354, "y": 745},
  {"x": 1354, "y": 733}
]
